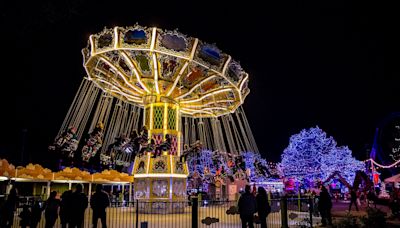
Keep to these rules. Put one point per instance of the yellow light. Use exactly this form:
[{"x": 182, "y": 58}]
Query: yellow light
[
  {"x": 116, "y": 38},
  {"x": 151, "y": 116},
  {"x": 153, "y": 39},
  {"x": 179, "y": 144},
  {"x": 241, "y": 86},
  {"x": 177, "y": 118},
  {"x": 171, "y": 54},
  {"x": 193, "y": 111},
  {"x": 206, "y": 95},
  {"x": 177, "y": 79},
  {"x": 20, "y": 179},
  {"x": 113, "y": 86},
  {"x": 134, "y": 71},
  {"x": 196, "y": 41},
  {"x": 160, "y": 175},
  {"x": 3, "y": 178},
  {"x": 92, "y": 49},
  {"x": 117, "y": 90},
  {"x": 70, "y": 181},
  {"x": 208, "y": 103},
  {"x": 148, "y": 163},
  {"x": 121, "y": 75},
  {"x": 165, "y": 120},
  {"x": 196, "y": 86},
  {"x": 216, "y": 108},
  {"x": 155, "y": 73},
  {"x": 226, "y": 65}
]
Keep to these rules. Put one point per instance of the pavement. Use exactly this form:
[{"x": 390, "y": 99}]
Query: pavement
[{"x": 340, "y": 210}]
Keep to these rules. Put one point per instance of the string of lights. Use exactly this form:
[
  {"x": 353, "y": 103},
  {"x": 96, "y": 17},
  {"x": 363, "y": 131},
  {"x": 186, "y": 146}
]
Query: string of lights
[{"x": 393, "y": 165}]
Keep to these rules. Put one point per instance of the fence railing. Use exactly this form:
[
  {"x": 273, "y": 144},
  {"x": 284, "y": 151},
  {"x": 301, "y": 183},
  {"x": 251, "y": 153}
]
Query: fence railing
[{"x": 285, "y": 212}]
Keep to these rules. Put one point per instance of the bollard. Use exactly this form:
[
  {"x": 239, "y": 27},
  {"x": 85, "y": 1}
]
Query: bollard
[
  {"x": 195, "y": 212},
  {"x": 311, "y": 209},
  {"x": 284, "y": 220},
  {"x": 299, "y": 200},
  {"x": 137, "y": 213}
]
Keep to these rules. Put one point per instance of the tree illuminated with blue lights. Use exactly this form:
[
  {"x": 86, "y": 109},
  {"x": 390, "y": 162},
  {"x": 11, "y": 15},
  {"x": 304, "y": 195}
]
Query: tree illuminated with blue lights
[{"x": 312, "y": 155}]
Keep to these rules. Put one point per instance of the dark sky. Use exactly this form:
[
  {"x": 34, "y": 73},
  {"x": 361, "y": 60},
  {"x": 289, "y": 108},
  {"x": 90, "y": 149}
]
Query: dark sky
[{"x": 309, "y": 64}]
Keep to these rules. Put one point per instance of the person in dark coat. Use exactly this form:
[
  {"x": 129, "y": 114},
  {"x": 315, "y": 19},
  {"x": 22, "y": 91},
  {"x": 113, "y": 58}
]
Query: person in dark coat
[
  {"x": 263, "y": 207},
  {"x": 99, "y": 202},
  {"x": 371, "y": 198},
  {"x": 66, "y": 208},
  {"x": 247, "y": 207},
  {"x": 25, "y": 216},
  {"x": 325, "y": 206},
  {"x": 36, "y": 214},
  {"x": 80, "y": 202},
  {"x": 353, "y": 199},
  {"x": 7, "y": 212},
  {"x": 52, "y": 206}
]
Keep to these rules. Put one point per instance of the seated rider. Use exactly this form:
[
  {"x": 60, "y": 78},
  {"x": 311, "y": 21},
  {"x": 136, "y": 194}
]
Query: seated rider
[
  {"x": 166, "y": 145},
  {"x": 149, "y": 147},
  {"x": 185, "y": 153}
]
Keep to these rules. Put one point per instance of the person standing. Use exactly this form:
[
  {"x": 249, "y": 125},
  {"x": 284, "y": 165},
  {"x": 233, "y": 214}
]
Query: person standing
[
  {"x": 80, "y": 202},
  {"x": 99, "y": 202},
  {"x": 371, "y": 198},
  {"x": 25, "y": 216},
  {"x": 254, "y": 189},
  {"x": 66, "y": 208},
  {"x": 36, "y": 214},
  {"x": 325, "y": 206},
  {"x": 7, "y": 212},
  {"x": 247, "y": 207},
  {"x": 353, "y": 199},
  {"x": 51, "y": 209},
  {"x": 263, "y": 207}
]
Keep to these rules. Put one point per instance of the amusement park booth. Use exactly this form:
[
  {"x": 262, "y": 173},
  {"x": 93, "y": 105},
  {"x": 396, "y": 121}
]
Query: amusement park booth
[{"x": 160, "y": 184}]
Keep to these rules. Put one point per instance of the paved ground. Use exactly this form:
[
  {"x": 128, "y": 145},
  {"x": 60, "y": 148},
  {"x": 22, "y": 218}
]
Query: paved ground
[
  {"x": 340, "y": 210},
  {"x": 126, "y": 217}
]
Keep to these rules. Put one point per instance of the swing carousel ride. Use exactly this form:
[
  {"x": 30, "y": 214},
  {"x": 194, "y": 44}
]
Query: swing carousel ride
[{"x": 163, "y": 107}]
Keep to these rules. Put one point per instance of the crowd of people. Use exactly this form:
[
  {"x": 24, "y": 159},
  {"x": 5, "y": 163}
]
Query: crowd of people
[
  {"x": 252, "y": 202},
  {"x": 70, "y": 208}
]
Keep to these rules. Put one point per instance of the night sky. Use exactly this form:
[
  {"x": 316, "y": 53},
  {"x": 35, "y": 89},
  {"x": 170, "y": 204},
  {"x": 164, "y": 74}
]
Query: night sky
[{"x": 310, "y": 64}]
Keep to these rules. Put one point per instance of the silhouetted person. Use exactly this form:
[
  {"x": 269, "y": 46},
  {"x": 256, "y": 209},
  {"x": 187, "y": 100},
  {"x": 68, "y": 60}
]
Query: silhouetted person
[
  {"x": 247, "y": 207},
  {"x": 263, "y": 207},
  {"x": 7, "y": 212},
  {"x": 371, "y": 198},
  {"x": 135, "y": 142},
  {"x": 51, "y": 209},
  {"x": 25, "y": 216},
  {"x": 353, "y": 199},
  {"x": 325, "y": 206},
  {"x": 147, "y": 147},
  {"x": 99, "y": 202},
  {"x": 66, "y": 208},
  {"x": 164, "y": 146},
  {"x": 80, "y": 202},
  {"x": 185, "y": 153},
  {"x": 394, "y": 204},
  {"x": 36, "y": 214}
]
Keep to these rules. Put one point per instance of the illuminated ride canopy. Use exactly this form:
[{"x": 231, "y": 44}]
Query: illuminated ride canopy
[
  {"x": 147, "y": 65},
  {"x": 183, "y": 90}
]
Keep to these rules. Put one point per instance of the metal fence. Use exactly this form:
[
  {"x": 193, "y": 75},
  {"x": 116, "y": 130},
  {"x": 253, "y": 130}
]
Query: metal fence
[{"x": 290, "y": 212}]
